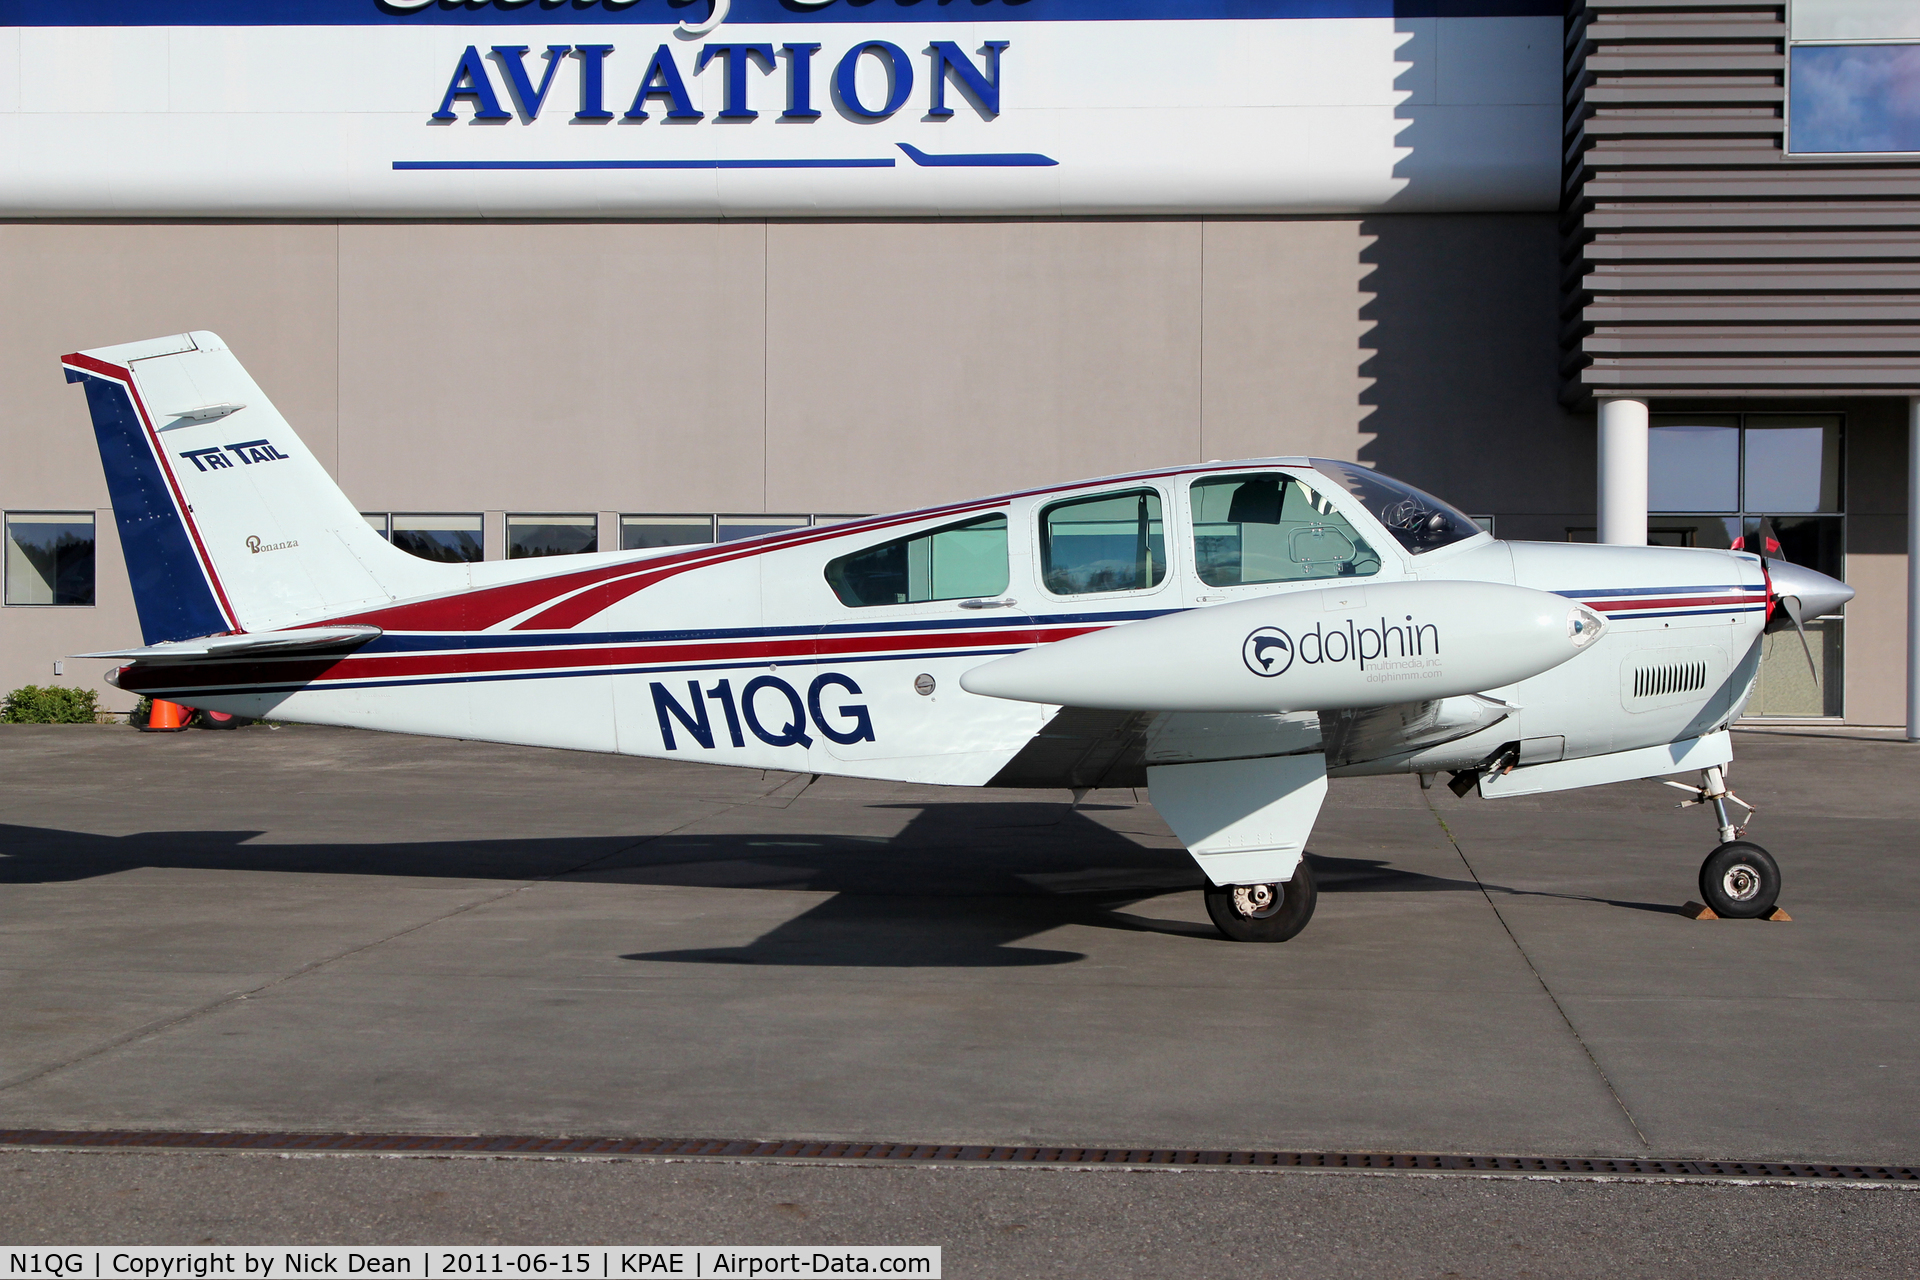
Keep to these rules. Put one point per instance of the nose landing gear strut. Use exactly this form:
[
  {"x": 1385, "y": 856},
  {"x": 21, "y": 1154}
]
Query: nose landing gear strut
[{"x": 1739, "y": 880}]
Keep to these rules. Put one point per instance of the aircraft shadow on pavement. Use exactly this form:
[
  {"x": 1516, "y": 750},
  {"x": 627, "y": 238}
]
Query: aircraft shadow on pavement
[{"x": 958, "y": 886}]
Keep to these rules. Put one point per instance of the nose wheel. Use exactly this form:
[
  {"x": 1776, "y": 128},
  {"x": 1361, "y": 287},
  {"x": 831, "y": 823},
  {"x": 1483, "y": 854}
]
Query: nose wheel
[
  {"x": 1263, "y": 912},
  {"x": 1740, "y": 881}
]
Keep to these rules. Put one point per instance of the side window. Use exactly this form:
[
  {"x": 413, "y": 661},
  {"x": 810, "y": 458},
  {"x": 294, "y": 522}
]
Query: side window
[
  {"x": 1271, "y": 528},
  {"x": 959, "y": 562},
  {"x": 1110, "y": 543}
]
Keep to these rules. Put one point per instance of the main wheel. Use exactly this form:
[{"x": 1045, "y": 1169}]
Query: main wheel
[
  {"x": 1263, "y": 912},
  {"x": 206, "y": 719},
  {"x": 1739, "y": 880}
]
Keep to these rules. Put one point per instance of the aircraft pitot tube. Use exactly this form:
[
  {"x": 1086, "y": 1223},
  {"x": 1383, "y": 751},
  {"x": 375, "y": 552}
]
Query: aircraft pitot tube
[{"x": 1344, "y": 646}]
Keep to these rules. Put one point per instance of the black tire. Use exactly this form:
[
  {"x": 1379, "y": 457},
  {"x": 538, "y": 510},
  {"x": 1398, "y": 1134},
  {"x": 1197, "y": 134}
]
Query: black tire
[
  {"x": 1740, "y": 881},
  {"x": 1241, "y": 921},
  {"x": 205, "y": 719}
]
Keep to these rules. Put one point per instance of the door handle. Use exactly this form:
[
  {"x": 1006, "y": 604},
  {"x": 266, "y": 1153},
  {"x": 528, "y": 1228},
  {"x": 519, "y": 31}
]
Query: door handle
[{"x": 1007, "y": 603}]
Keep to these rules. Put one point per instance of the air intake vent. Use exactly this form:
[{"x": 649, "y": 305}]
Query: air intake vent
[{"x": 1672, "y": 677}]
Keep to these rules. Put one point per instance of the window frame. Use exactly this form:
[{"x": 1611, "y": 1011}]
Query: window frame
[
  {"x": 586, "y": 519},
  {"x": 1791, "y": 43},
  {"x": 6, "y": 572},
  {"x": 480, "y": 534},
  {"x": 948, "y": 601},
  {"x": 1170, "y": 521},
  {"x": 1743, "y": 421},
  {"x": 1392, "y": 557}
]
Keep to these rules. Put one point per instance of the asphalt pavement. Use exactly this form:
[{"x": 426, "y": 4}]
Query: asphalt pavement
[{"x": 315, "y": 929}]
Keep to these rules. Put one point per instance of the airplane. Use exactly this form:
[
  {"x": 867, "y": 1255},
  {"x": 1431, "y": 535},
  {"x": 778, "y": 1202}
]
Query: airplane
[{"x": 1228, "y": 636}]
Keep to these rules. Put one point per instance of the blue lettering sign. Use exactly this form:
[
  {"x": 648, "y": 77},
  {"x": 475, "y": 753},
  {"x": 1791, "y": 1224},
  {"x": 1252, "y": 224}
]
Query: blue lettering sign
[
  {"x": 735, "y": 57},
  {"x": 695, "y": 724},
  {"x": 470, "y": 80},
  {"x": 847, "y": 723},
  {"x": 795, "y": 730},
  {"x": 862, "y": 730},
  {"x": 800, "y": 82},
  {"x": 511, "y": 60},
  {"x": 984, "y": 89},
  {"x": 662, "y": 80},
  {"x": 899, "y": 79},
  {"x": 593, "y": 65}
]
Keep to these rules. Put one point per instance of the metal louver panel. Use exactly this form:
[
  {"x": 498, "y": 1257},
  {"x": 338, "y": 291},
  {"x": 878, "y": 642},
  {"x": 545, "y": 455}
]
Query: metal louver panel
[
  {"x": 1673, "y": 677},
  {"x": 1698, "y": 257}
]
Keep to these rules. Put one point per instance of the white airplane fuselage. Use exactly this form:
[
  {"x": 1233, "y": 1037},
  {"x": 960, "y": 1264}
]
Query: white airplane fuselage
[
  {"x": 1228, "y": 635},
  {"x": 774, "y": 655}
]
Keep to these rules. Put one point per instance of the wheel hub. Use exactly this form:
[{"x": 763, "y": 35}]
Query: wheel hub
[
  {"x": 1258, "y": 901},
  {"x": 1741, "y": 882}
]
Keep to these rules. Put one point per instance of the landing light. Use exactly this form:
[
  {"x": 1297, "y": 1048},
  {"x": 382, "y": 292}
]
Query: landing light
[{"x": 1584, "y": 626}]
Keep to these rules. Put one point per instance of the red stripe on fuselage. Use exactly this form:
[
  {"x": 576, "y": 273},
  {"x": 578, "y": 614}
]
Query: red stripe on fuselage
[
  {"x": 589, "y": 591},
  {"x": 1670, "y": 602},
  {"x": 454, "y": 665}
]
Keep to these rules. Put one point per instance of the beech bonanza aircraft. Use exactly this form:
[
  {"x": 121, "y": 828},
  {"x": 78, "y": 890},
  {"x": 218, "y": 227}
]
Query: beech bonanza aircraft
[{"x": 1228, "y": 636}]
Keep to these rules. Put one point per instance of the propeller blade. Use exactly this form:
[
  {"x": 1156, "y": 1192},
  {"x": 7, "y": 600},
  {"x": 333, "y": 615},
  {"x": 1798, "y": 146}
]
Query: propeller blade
[{"x": 1793, "y": 609}]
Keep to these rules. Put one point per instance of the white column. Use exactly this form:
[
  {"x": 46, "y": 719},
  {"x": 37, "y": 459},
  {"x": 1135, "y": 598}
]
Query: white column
[
  {"x": 1913, "y": 569},
  {"x": 1623, "y": 472}
]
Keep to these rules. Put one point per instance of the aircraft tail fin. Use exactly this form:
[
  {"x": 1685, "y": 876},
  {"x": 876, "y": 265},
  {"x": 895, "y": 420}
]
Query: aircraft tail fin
[{"x": 227, "y": 521}]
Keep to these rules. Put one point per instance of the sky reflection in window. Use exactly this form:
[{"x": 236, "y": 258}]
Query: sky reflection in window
[{"x": 1851, "y": 98}]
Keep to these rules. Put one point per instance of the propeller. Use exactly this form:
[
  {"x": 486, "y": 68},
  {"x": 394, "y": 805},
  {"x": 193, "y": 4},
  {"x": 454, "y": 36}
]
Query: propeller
[{"x": 1791, "y": 605}]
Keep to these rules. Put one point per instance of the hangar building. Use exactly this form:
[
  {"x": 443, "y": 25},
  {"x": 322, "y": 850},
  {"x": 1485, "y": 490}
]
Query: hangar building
[{"x": 535, "y": 278}]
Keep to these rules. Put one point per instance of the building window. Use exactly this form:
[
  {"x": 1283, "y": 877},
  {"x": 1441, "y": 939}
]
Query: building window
[
  {"x": 450, "y": 539},
  {"x": 49, "y": 557},
  {"x": 566, "y": 535},
  {"x": 1113, "y": 542},
  {"x": 638, "y": 533},
  {"x": 1710, "y": 480},
  {"x": 378, "y": 521},
  {"x": 752, "y": 526},
  {"x": 1853, "y": 76},
  {"x": 960, "y": 562}
]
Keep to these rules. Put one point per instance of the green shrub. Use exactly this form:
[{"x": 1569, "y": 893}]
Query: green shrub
[{"x": 49, "y": 704}]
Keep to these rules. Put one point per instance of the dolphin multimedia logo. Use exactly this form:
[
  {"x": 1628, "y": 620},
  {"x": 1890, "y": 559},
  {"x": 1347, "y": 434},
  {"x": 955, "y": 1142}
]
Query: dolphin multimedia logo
[{"x": 1267, "y": 651}]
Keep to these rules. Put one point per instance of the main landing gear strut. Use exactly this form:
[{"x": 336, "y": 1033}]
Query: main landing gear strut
[{"x": 1739, "y": 880}]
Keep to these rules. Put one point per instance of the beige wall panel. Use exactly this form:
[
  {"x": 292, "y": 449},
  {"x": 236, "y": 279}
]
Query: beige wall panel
[
  {"x": 31, "y": 638},
  {"x": 1462, "y": 354},
  {"x": 268, "y": 290},
  {"x": 1282, "y": 339},
  {"x": 552, "y": 368},
  {"x": 911, "y": 363}
]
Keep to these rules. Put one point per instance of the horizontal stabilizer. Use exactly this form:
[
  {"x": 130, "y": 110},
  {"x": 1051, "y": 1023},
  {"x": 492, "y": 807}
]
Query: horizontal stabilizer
[{"x": 242, "y": 646}]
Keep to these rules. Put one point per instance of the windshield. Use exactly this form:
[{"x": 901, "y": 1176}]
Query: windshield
[{"x": 1419, "y": 521}]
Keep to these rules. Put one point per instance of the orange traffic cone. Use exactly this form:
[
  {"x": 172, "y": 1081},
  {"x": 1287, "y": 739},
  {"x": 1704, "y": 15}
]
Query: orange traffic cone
[{"x": 165, "y": 717}]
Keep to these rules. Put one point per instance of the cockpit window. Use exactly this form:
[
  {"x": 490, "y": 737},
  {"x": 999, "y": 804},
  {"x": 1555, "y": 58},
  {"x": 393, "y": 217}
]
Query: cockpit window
[
  {"x": 1419, "y": 521},
  {"x": 1272, "y": 527},
  {"x": 959, "y": 562}
]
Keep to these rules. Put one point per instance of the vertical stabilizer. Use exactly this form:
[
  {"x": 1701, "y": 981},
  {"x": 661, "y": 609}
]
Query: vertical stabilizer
[{"x": 227, "y": 522}]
